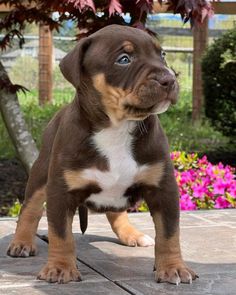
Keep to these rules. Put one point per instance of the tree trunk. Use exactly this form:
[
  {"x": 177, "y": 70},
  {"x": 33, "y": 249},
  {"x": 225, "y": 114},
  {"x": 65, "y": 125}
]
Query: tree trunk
[
  {"x": 200, "y": 39},
  {"x": 15, "y": 123}
]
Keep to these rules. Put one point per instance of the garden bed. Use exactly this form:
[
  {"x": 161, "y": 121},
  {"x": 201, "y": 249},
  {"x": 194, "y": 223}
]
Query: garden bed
[
  {"x": 203, "y": 185},
  {"x": 12, "y": 184}
]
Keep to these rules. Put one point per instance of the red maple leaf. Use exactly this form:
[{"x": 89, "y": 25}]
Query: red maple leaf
[
  {"x": 83, "y": 4},
  {"x": 114, "y": 7}
]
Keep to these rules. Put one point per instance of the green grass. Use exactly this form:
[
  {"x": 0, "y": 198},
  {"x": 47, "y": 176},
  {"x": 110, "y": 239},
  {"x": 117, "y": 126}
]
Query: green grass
[{"x": 176, "y": 123}]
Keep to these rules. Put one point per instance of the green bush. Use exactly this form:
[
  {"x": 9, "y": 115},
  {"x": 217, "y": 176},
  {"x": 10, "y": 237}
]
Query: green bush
[
  {"x": 183, "y": 135},
  {"x": 14, "y": 210},
  {"x": 219, "y": 79}
]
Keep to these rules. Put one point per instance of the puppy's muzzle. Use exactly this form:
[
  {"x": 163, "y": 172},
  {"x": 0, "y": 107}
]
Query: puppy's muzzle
[
  {"x": 157, "y": 93},
  {"x": 167, "y": 84}
]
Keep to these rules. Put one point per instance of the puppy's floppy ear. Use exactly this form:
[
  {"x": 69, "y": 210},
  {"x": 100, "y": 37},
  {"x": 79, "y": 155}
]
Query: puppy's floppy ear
[{"x": 72, "y": 64}]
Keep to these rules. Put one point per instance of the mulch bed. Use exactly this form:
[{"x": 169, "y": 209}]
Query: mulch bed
[{"x": 12, "y": 184}]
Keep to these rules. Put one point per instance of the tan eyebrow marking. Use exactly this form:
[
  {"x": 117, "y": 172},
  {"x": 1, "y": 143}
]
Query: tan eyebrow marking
[{"x": 128, "y": 46}]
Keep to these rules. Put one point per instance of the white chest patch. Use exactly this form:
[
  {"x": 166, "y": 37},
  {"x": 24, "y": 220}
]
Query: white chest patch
[{"x": 115, "y": 144}]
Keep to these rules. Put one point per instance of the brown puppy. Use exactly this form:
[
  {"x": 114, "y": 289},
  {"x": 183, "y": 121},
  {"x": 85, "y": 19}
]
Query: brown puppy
[{"x": 106, "y": 150}]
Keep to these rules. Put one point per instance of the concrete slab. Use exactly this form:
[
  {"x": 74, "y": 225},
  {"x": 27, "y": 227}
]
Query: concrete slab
[
  {"x": 207, "y": 285},
  {"x": 208, "y": 242},
  {"x": 18, "y": 275},
  {"x": 85, "y": 288},
  {"x": 7, "y": 228}
]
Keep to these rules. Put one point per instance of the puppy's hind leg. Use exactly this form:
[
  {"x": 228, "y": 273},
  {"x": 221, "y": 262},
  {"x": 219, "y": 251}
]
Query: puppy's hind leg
[
  {"x": 127, "y": 234},
  {"x": 23, "y": 243}
]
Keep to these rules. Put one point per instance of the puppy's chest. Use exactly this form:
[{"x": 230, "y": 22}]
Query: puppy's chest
[
  {"x": 115, "y": 144},
  {"x": 116, "y": 187}
]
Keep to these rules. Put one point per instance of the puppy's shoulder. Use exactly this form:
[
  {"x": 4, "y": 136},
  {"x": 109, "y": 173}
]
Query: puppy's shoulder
[{"x": 150, "y": 142}]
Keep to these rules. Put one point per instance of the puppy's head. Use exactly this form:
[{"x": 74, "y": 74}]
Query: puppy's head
[{"x": 125, "y": 69}]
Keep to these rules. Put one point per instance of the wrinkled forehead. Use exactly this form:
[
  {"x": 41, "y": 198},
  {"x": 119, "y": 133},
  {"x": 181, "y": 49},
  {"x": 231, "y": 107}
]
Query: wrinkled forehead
[{"x": 117, "y": 38}]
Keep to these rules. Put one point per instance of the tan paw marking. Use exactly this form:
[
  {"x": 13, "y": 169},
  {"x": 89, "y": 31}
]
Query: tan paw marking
[
  {"x": 139, "y": 240},
  {"x": 53, "y": 273},
  {"x": 145, "y": 241},
  {"x": 175, "y": 275},
  {"x": 21, "y": 249}
]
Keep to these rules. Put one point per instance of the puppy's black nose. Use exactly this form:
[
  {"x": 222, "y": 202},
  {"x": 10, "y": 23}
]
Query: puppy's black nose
[{"x": 167, "y": 81}]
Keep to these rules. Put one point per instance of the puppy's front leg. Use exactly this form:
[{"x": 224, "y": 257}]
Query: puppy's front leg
[
  {"x": 61, "y": 266},
  {"x": 164, "y": 207}
]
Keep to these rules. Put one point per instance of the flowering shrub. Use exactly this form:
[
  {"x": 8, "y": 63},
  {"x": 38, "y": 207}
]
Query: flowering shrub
[{"x": 203, "y": 185}]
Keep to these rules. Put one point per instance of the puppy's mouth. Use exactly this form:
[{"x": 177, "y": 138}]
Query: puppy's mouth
[
  {"x": 162, "y": 107},
  {"x": 156, "y": 95},
  {"x": 142, "y": 112},
  {"x": 133, "y": 109}
]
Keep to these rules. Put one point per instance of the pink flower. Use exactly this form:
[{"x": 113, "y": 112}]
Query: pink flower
[
  {"x": 199, "y": 191},
  {"x": 219, "y": 187},
  {"x": 232, "y": 189},
  {"x": 202, "y": 184},
  {"x": 220, "y": 166},
  {"x": 221, "y": 203},
  {"x": 203, "y": 160},
  {"x": 186, "y": 203},
  {"x": 209, "y": 170},
  {"x": 175, "y": 155},
  {"x": 186, "y": 177}
]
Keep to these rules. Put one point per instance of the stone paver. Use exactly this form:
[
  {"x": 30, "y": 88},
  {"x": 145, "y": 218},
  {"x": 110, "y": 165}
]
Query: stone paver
[{"x": 208, "y": 241}]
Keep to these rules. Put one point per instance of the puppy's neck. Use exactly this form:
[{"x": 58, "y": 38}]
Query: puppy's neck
[
  {"x": 116, "y": 135},
  {"x": 95, "y": 116},
  {"x": 91, "y": 113}
]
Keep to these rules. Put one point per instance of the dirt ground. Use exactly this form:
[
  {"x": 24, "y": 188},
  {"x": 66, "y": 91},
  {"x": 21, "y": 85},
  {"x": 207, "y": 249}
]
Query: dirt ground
[{"x": 12, "y": 184}]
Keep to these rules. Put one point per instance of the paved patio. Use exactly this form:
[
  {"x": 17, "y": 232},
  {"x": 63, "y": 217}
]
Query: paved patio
[{"x": 208, "y": 244}]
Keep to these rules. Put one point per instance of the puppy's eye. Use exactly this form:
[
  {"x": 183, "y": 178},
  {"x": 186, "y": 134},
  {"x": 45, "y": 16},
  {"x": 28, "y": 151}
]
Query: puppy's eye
[
  {"x": 123, "y": 59},
  {"x": 163, "y": 54}
]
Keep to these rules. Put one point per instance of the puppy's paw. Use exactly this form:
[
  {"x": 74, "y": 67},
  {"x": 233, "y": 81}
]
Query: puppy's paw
[
  {"x": 175, "y": 274},
  {"x": 145, "y": 241},
  {"x": 54, "y": 272},
  {"x": 21, "y": 249},
  {"x": 133, "y": 238}
]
